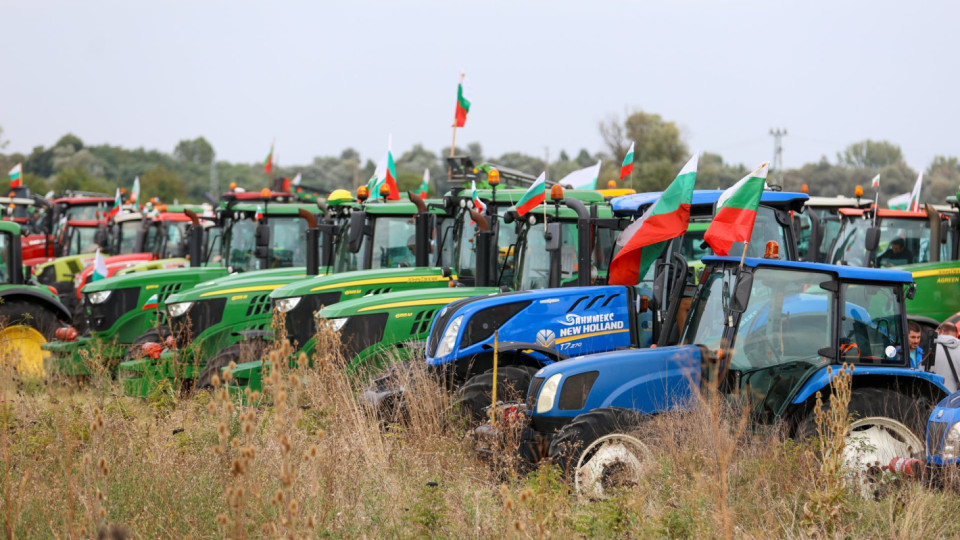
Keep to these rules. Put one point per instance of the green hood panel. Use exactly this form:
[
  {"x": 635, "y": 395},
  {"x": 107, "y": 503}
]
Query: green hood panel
[
  {"x": 400, "y": 301},
  {"x": 361, "y": 280},
  {"x": 166, "y": 275}
]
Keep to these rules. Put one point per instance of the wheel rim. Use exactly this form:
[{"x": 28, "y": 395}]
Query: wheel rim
[
  {"x": 611, "y": 462},
  {"x": 20, "y": 347},
  {"x": 870, "y": 445}
]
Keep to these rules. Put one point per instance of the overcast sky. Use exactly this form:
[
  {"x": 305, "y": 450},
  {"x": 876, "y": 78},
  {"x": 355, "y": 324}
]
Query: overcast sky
[{"x": 322, "y": 76}]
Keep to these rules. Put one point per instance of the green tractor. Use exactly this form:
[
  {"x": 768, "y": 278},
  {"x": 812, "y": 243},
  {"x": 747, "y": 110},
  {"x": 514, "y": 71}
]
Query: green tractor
[
  {"x": 223, "y": 320},
  {"x": 31, "y": 314},
  {"x": 127, "y": 310}
]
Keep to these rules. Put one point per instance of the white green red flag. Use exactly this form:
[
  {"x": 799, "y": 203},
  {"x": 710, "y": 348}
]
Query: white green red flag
[
  {"x": 135, "y": 192},
  {"x": 643, "y": 241},
  {"x": 534, "y": 196},
  {"x": 258, "y": 215},
  {"x": 99, "y": 267},
  {"x": 477, "y": 203},
  {"x": 876, "y": 181},
  {"x": 117, "y": 204},
  {"x": 915, "y": 195},
  {"x": 151, "y": 303},
  {"x": 16, "y": 175},
  {"x": 736, "y": 212},
  {"x": 463, "y": 107},
  {"x": 391, "y": 178},
  {"x": 583, "y": 178},
  {"x": 268, "y": 162},
  {"x": 297, "y": 179},
  {"x": 627, "y": 167},
  {"x": 899, "y": 202},
  {"x": 425, "y": 185}
]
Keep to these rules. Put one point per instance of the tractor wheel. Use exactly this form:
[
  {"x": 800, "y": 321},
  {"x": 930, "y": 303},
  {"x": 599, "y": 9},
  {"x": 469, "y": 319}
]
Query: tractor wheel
[
  {"x": 153, "y": 335},
  {"x": 23, "y": 329},
  {"x": 245, "y": 351},
  {"x": 597, "y": 450},
  {"x": 476, "y": 394},
  {"x": 885, "y": 425}
]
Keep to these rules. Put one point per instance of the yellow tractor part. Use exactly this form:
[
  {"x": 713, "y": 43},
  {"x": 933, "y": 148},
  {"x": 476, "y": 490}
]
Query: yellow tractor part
[{"x": 20, "y": 347}]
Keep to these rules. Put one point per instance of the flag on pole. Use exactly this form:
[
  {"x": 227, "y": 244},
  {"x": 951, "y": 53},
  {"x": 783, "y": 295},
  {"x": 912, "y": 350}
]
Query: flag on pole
[
  {"x": 99, "y": 267},
  {"x": 151, "y": 303},
  {"x": 534, "y": 197},
  {"x": 297, "y": 179},
  {"x": 258, "y": 215},
  {"x": 268, "y": 162},
  {"x": 477, "y": 203},
  {"x": 463, "y": 107},
  {"x": 583, "y": 178},
  {"x": 736, "y": 212},
  {"x": 16, "y": 175},
  {"x": 135, "y": 192},
  {"x": 876, "y": 181},
  {"x": 641, "y": 243},
  {"x": 391, "y": 175},
  {"x": 117, "y": 204},
  {"x": 627, "y": 167},
  {"x": 899, "y": 202},
  {"x": 425, "y": 185},
  {"x": 915, "y": 195}
]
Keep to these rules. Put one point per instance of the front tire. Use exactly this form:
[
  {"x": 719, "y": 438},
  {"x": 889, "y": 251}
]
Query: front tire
[
  {"x": 477, "y": 393},
  {"x": 238, "y": 353}
]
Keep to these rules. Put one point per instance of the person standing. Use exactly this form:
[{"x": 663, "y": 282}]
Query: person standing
[{"x": 947, "y": 347}]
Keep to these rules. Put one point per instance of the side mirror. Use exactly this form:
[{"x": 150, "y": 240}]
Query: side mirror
[
  {"x": 872, "y": 238},
  {"x": 911, "y": 291},
  {"x": 262, "y": 236},
  {"x": 944, "y": 231},
  {"x": 357, "y": 222},
  {"x": 552, "y": 236},
  {"x": 741, "y": 294}
]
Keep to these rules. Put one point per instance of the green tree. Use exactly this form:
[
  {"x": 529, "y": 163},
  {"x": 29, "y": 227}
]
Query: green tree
[
  {"x": 713, "y": 173},
  {"x": 659, "y": 152},
  {"x": 78, "y": 179},
  {"x": 162, "y": 183},
  {"x": 870, "y": 154},
  {"x": 943, "y": 179},
  {"x": 70, "y": 140},
  {"x": 194, "y": 151}
]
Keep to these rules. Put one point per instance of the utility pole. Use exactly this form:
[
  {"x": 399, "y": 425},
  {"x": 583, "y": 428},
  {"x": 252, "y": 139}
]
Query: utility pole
[
  {"x": 546, "y": 167},
  {"x": 778, "y": 136}
]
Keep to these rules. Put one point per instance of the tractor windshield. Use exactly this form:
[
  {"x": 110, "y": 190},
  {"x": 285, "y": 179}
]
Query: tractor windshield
[
  {"x": 535, "y": 260},
  {"x": 82, "y": 240},
  {"x": 872, "y": 327},
  {"x": 902, "y": 241},
  {"x": 394, "y": 242},
  {"x": 287, "y": 244},
  {"x": 468, "y": 231},
  {"x": 5, "y": 250},
  {"x": 128, "y": 236},
  {"x": 84, "y": 212}
]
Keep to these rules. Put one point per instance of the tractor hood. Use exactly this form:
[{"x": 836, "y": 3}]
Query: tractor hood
[
  {"x": 357, "y": 283},
  {"x": 397, "y": 301},
  {"x": 236, "y": 285},
  {"x": 138, "y": 279}
]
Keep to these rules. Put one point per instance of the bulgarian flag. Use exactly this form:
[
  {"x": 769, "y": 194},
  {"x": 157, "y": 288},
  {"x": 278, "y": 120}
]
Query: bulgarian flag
[
  {"x": 99, "y": 267},
  {"x": 534, "y": 197},
  {"x": 627, "y": 167},
  {"x": 736, "y": 212},
  {"x": 875, "y": 182},
  {"x": 477, "y": 203},
  {"x": 915, "y": 195},
  {"x": 643, "y": 241},
  {"x": 135, "y": 192},
  {"x": 117, "y": 203},
  {"x": 425, "y": 185},
  {"x": 151, "y": 303},
  {"x": 297, "y": 179},
  {"x": 258, "y": 215},
  {"x": 268, "y": 162},
  {"x": 463, "y": 107},
  {"x": 16, "y": 175}
]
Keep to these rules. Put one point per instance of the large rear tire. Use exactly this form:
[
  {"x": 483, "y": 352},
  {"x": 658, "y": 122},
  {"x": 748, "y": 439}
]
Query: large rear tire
[
  {"x": 245, "y": 351},
  {"x": 598, "y": 451},
  {"x": 23, "y": 329},
  {"x": 476, "y": 394}
]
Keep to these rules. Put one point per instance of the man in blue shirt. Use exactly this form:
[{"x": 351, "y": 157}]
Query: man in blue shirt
[{"x": 916, "y": 352}]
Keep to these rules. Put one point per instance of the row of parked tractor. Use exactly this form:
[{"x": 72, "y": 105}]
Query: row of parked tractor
[{"x": 511, "y": 309}]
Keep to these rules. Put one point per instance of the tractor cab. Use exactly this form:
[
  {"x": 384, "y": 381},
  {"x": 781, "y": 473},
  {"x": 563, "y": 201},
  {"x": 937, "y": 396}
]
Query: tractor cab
[
  {"x": 876, "y": 238},
  {"x": 823, "y": 214}
]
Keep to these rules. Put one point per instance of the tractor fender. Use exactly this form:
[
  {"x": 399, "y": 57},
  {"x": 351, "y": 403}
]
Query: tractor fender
[
  {"x": 255, "y": 334},
  {"x": 524, "y": 346},
  {"x": 37, "y": 297},
  {"x": 930, "y": 382}
]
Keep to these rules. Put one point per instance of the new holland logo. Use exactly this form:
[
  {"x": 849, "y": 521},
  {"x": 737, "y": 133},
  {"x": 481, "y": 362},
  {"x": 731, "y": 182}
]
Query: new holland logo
[{"x": 546, "y": 337}]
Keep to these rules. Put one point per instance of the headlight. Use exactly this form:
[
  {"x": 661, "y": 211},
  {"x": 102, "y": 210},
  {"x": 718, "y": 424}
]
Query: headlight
[
  {"x": 548, "y": 393},
  {"x": 178, "y": 309},
  {"x": 99, "y": 297},
  {"x": 286, "y": 304},
  {"x": 339, "y": 322},
  {"x": 951, "y": 443},
  {"x": 446, "y": 343}
]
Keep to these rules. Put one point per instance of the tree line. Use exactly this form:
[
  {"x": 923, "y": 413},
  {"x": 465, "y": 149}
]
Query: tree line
[{"x": 191, "y": 169}]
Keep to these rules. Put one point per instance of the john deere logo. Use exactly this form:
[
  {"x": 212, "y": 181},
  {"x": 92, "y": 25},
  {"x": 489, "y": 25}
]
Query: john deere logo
[{"x": 546, "y": 337}]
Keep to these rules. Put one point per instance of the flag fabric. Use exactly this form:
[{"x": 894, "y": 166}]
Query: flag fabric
[
  {"x": 297, "y": 179},
  {"x": 117, "y": 204},
  {"x": 151, "y": 303},
  {"x": 477, "y": 203},
  {"x": 583, "y": 178},
  {"x": 373, "y": 186},
  {"x": 915, "y": 195},
  {"x": 16, "y": 175},
  {"x": 258, "y": 215},
  {"x": 135, "y": 192},
  {"x": 391, "y": 177},
  {"x": 643, "y": 241},
  {"x": 627, "y": 167},
  {"x": 736, "y": 212},
  {"x": 268, "y": 162},
  {"x": 463, "y": 107},
  {"x": 534, "y": 197},
  {"x": 899, "y": 202},
  {"x": 875, "y": 182},
  {"x": 425, "y": 185},
  {"x": 99, "y": 267}
]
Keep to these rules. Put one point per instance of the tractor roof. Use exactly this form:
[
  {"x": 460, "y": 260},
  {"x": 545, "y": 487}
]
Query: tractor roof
[
  {"x": 842, "y": 272},
  {"x": 638, "y": 202},
  {"x": 276, "y": 209},
  {"x": 838, "y": 202},
  {"x": 380, "y": 207},
  {"x": 885, "y": 212},
  {"x": 81, "y": 201}
]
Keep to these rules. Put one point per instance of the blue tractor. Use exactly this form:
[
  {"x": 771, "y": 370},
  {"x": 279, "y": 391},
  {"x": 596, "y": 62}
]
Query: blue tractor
[
  {"x": 767, "y": 335},
  {"x": 537, "y": 328}
]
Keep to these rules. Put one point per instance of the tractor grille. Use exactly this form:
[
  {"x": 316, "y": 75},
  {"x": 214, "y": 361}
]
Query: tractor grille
[
  {"x": 259, "y": 305},
  {"x": 935, "y": 433},
  {"x": 300, "y": 321},
  {"x": 360, "y": 332},
  {"x": 102, "y": 316},
  {"x": 535, "y": 385},
  {"x": 202, "y": 315},
  {"x": 166, "y": 291}
]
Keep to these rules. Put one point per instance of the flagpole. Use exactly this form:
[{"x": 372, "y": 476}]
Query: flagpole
[
  {"x": 744, "y": 255},
  {"x": 453, "y": 142}
]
